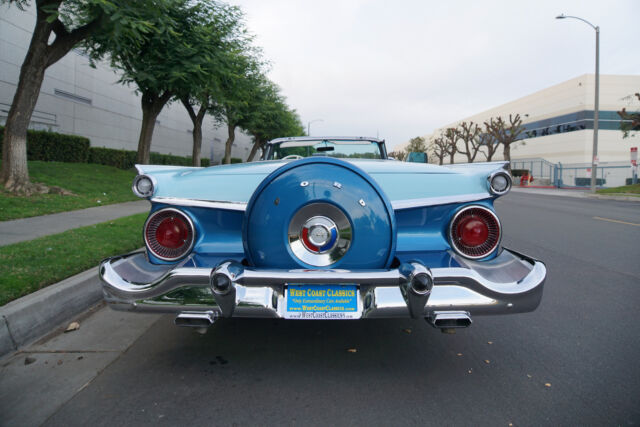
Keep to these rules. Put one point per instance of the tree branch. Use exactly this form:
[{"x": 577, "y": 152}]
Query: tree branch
[
  {"x": 58, "y": 27},
  {"x": 189, "y": 108},
  {"x": 64, "y": 42}
]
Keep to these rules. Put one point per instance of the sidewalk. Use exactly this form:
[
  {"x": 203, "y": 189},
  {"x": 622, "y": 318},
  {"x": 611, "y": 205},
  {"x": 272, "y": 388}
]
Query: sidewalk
[
  {"x": 551, "y": 192},
  {"x": 580, "y": 194},
  {"x": 20, "y": 230}
]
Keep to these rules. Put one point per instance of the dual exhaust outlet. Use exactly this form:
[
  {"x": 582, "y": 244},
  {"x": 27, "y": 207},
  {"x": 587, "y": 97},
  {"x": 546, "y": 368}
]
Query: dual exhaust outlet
[
  {"x": 441, "y": 319},
  {"x": 196, "y": 319}
]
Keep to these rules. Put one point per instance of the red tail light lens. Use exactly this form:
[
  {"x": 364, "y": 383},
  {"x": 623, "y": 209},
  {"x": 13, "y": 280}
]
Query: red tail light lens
[
  {"x": 474, "y": 232},
  {"x": 172, "y": 233},
  {"x": 169, "y": 234}
]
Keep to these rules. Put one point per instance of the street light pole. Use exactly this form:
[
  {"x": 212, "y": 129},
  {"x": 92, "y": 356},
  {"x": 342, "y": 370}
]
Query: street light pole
[
  {"x": 596, "y": 106},
  {"x": 309, "y": 125}
]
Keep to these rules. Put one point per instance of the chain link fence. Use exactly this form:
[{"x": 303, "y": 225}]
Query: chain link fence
[{"x": 572, "y": 175}]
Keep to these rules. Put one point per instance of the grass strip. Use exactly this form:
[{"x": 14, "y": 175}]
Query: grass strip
[
  {"x": 28, "y": 266},
  {"x": 633, "y": 189},
  {"x": 92, "y": 185}
]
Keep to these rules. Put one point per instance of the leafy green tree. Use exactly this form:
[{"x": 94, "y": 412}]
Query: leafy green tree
[
  {"x": 416, "y": 144},
  {"x": 630, "y": 120},
  {"x": 60, "y": 26},
  {"x": 228, "y": 34},
  {"x": 271, "y": 119},
  {"x": 171, "y": 63},
  {"x": 241, "y": 91}
]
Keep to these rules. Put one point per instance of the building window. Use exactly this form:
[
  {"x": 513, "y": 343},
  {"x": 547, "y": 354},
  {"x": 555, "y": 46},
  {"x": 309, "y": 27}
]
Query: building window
[{"x": 72, "y": 96}]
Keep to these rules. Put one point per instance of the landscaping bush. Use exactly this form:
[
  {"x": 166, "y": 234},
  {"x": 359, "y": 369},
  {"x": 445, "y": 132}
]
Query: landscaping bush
[
  {"x": 57, "y": 147},
  {"x": 122, "y": 159},
  {"x": 235, "y": 160},
  {"x": 54, "y": 147},
  {"x": 126, "y": 159}
]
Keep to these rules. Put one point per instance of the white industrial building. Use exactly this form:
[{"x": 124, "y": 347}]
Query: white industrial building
[
  {"x": 558, "y": 120},
  {"x": 558, "y": 125},
  {"x": 80, "y": 100}
]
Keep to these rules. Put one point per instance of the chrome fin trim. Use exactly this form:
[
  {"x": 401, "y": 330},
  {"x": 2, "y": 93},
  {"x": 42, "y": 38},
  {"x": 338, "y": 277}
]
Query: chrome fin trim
[
  {"x": 438, "y": 200},
  {"x": 212, "y": 204},
  {"x": 397, "y": 204}
]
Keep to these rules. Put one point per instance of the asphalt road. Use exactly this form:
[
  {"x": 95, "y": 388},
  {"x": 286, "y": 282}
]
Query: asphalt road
[{"x": 574, "y": 361}]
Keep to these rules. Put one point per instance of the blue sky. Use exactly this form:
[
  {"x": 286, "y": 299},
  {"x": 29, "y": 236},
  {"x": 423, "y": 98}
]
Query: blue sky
[{"x": 401, "y": 69}]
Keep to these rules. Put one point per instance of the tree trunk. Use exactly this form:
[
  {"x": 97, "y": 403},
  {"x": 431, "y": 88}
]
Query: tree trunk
[
  {"x": 451, "y": 156},
  {"x": 227, "y": 146},
  {"x": 15, "y": 175},
  {"x": 441, "y": 159},
  {"x": 506, "y": 152},
  {"x": 197, "y": 120},
  {"x": 40, "y": 55},
  {"x": 256, "y": 146},
  {"x": 152, "y": 105},
  {"x": 197, "y": 144},
  {"x": 491, "y": 151}
]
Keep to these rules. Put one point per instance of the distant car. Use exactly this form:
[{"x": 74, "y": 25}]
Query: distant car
[{"x": 324, "y": 228}]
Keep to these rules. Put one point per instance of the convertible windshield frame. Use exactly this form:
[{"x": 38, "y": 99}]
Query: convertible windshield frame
[{"x": 273, "y": 144}]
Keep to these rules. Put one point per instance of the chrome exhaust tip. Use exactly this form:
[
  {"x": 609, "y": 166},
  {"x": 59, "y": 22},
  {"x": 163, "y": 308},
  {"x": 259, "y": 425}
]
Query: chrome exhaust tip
[
  {"x": 195, "y": 319},
  {"x": 446, "y": 320}
]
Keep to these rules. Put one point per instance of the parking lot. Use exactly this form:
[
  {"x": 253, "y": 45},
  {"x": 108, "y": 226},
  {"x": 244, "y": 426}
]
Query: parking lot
[{"x": 571, "y": 362}]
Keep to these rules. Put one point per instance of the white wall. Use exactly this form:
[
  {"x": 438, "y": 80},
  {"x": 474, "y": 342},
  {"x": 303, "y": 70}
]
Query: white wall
[
  {"x": 113, "y": 117},
  {"x": 577, "y": 94}
]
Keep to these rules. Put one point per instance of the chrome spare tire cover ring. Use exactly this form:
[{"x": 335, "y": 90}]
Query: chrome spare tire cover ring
[{"x": 320, "y": 234}]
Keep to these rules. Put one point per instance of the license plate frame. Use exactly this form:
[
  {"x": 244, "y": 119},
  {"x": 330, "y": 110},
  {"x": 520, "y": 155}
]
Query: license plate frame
[{"x": 325, "y": 302}]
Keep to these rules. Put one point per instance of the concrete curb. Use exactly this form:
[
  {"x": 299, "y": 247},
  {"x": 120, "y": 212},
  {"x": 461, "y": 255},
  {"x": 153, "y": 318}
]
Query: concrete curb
[
  {"x": 572, "y": 193},
  {"x": 619, "y": 198},
  {"x": 33, "y": 316}
]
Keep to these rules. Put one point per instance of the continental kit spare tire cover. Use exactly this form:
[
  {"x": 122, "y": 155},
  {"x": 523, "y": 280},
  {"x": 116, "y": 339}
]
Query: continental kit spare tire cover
[{"x": 319, "y": 213}]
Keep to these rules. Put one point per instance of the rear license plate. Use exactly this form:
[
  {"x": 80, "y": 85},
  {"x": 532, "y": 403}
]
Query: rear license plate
[{"x": 322, "y": 302}]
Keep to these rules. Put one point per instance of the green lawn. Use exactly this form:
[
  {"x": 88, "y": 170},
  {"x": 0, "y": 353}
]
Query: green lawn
[
  {"x": 28, "y": 266},
  {"x": 625, "y": 189},
  {"x": 92, "y": 184}
]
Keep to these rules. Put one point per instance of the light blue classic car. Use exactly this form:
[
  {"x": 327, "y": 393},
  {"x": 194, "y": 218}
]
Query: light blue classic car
[{"x": 324, "y": 228}]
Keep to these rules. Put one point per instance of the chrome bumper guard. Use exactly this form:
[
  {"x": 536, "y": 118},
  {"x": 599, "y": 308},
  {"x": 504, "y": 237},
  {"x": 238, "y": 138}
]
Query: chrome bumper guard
[{"x": 510, "y": 283}]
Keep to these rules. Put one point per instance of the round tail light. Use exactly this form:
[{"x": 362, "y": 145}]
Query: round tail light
[
  {"x": 474, "y": 232},
  {"x": 169, "y": 234}
]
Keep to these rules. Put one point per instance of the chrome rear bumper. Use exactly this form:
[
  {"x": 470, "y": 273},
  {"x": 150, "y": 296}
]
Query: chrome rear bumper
[{"x": 510, "y": 283}]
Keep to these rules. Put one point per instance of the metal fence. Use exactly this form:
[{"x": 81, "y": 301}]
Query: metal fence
[
  {"x": 574, "y": 175},
  {"x": 543, "y": 171}
]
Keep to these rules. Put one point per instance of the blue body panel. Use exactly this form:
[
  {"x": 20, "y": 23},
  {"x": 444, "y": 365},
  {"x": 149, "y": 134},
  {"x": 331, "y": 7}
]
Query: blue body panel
[
  {"x": 218, "y": 235},
  {"x": 266, "y": 223},
  {"x": 406, "y": 234},
  {"x": 398, "y": 180}
]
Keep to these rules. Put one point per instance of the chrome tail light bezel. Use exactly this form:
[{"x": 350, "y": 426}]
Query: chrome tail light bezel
[
  {"x": 468, "y": 252},
  {"x": 162, "y": 252},
  {"x": 148, "y": 194},
  {"x": 507, "y": 176}
]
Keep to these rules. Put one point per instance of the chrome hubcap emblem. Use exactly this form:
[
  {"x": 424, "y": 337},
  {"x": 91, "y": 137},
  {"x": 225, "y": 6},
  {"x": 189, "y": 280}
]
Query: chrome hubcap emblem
[{"x": 319, "y": 234}]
